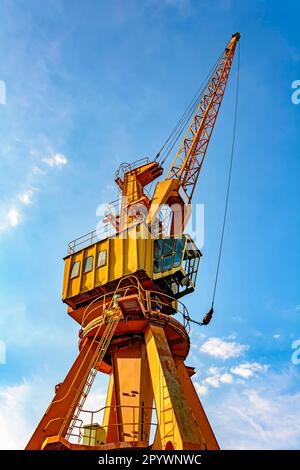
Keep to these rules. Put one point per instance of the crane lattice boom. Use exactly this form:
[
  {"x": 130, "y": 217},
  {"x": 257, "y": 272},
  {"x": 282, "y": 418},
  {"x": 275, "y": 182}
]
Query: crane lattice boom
[{"x": 189, "y": 158}]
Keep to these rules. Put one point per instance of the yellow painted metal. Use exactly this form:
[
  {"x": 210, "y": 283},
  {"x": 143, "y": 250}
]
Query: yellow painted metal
[
  {"x": 176, "y": 423},
  {"x": 162, "y": 193},
  {"x": 195, "y": 404},
  {"x": 93, "y": 435},
  {"x": 134, "y": 198},
  {"x": 133, "y": 392},
  {"x": 143, "y": 347},
  {"x": 127, "y": 373},
  {"x": 128, "y": 252},
  {"x": 110, "y": 416},
  {"x": 109, "y": 401}
]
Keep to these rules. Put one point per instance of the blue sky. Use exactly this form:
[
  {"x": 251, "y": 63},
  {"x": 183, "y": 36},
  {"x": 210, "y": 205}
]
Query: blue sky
[{"x": 92, "y": 84}]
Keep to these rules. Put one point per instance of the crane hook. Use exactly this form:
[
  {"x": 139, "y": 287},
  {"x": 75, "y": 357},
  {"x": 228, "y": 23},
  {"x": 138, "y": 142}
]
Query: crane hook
[{"x": 208, "y": 317}]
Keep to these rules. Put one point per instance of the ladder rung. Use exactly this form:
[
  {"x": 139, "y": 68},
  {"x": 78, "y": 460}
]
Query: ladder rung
[{"x": 112, "y": 323}]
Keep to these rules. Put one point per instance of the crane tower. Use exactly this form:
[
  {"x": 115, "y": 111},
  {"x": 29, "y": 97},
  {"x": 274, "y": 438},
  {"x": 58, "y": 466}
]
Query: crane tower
[{"x": 124, "y": 289}]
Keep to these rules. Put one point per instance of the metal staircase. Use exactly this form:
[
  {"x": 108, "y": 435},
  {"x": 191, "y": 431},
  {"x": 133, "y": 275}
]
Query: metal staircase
[{"x": 112, "y": 318}]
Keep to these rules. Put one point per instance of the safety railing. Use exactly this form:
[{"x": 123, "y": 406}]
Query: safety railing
[
  {"x": 113, "y": 207},
  {"x": 107, "y": 229},
  {"x": 125, "y": 167},
  {"x": 152, "y": 300},
  {"x": 89, "y": 238},
  {"x": 103, "y": 344},
  {"x": 137, "y": 423}
]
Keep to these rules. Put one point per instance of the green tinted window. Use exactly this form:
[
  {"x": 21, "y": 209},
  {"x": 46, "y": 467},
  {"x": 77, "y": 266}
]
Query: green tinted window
[
  {"x": 168, "y": 262},
  {"x": 158, "y": 247},
  {"x": 101, "y": 260},
  {"x": 168, "y": 253},
  {"x": 179, "y": 244},
  {"x": 158, "y": 265},
  {"x": 168, "y": 246},
  {"x": 177, "y": 259},
  {"x": 75, "y": 269},
  {"x": 88, "y": 264}
]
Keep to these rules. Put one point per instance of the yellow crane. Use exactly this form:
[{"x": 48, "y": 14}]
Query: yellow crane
[{"x": 123, "y": 289}]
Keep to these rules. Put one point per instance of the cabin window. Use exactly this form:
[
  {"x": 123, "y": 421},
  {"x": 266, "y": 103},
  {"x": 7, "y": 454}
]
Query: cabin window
[
  {"x": 168, "y": 253},
  {"x": 88, "y": 264},
  {"x": 75, "y": 269},
  {"x": 101, "y": 260}
]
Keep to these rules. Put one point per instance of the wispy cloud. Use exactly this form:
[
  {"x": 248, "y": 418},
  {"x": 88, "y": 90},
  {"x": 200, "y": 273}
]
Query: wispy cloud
[
  {"x": 16, "y": 318},
  {"x": 218, "y": 376},
  {"x": 23, "y": 404},
  {"x": 14, "y": 425},
  {"x": 36, "y": 170},
  {"x": 10, "y": 217},
  {"x": 12, "y": 210},
  {"x": 200, "y": 389},
  {"x": 217, "y": 379},
  {"x": 58, "y": 159},
  {"x": 26, "y": 196},
  {"x": 261, "y": 416},
  {"x": 217, "y": 347},
  {"x": 248, "y": 369},
  {"x": 20, "y": 410},
  {"x": 13, "y": 217}
]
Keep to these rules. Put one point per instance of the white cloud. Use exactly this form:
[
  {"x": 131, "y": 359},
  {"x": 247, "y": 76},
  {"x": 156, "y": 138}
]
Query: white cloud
[
  {"x": 22, "y": 405},
  {"x": 200, "y": 389},
  {"x": 213, "y": 370},
  {"x": 36, "y": 170},
  {"x": 226, "y": 378},
  {"x": 221, "y": 349},
  {"x": 58, "y": 159},
  {"x": 264, "y": 416},
  {"x": 232, "y": 336},
  {"x": 13, "y": 217},
  {"x": 213, "y": 381},
  {"x": 11, "y": 212},
  {"x": 276, "y": 336},
  {"x": 16, "y": 318},
  {"x": 26, "y": 196},
  {"x": 217, "y": 378},
  {"x": 13, "y": 424},
  {"x": 10, "y": 217},
  {"x": 248, "y": 369}
]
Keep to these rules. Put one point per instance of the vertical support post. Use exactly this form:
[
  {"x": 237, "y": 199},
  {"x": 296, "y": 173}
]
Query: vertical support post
[
  {"x": 195, "y": 404},
  {"x": 176, "y": 424},
  {"x": 133, "y": 392},
  {"x": 110, "y": 418}
]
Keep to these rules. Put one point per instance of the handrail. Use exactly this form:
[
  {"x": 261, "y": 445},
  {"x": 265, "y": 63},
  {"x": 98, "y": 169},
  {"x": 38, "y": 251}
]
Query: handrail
[
  {"x": 136, "y": 423},
  {"x": 111, "y": 294},
  {"x": 125, "y": 167},
  {"x": 92, "y": 414},
  {"x": 90, "y": 237},
  {"x": 106, "y": 230},
  {"x": 144, "y": 295},
  {"x": 90, "y": 375}
]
